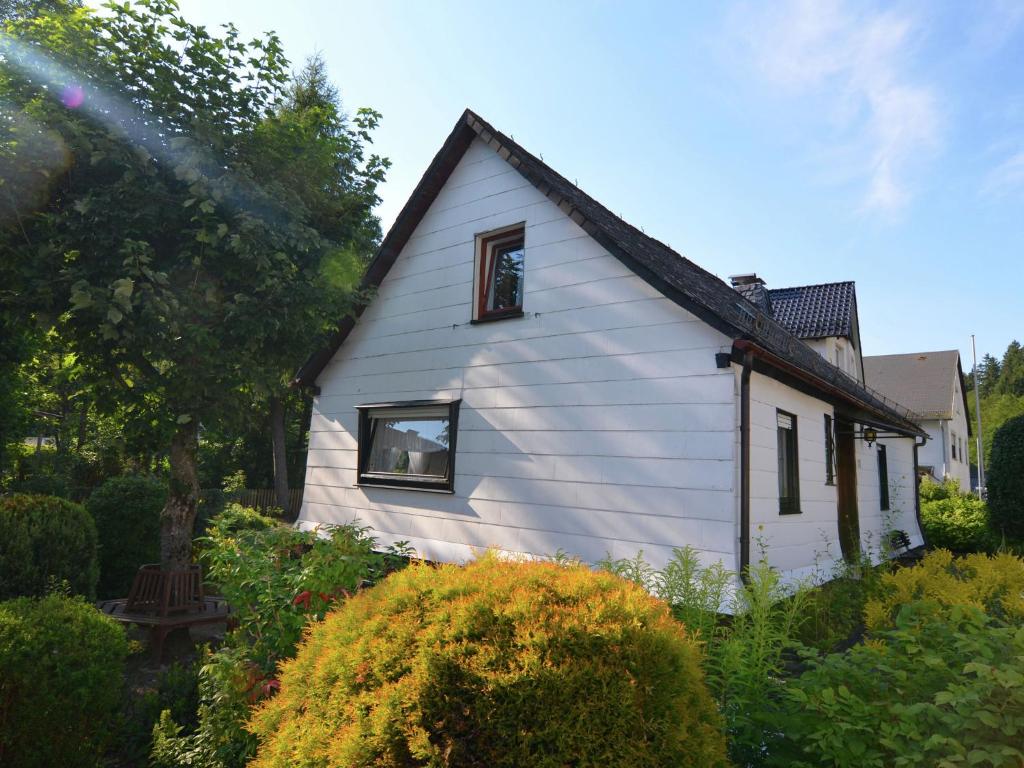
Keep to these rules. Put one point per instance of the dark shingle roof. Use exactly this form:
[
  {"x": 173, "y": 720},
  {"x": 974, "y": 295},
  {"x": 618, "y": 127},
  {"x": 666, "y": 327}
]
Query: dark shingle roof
[
  {"x": 922, "y": 381},
  {"x": 816, "y": 311},
  {"x": 675, "y": 276}
]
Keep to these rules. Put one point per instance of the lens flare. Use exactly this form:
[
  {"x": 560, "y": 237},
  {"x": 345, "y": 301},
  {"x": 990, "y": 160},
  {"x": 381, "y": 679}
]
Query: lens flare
[{"x": 73, "y": 96}]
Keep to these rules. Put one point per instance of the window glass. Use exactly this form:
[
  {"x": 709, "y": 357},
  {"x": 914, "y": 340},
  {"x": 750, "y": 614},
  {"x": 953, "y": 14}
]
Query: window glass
[
  {"x": 789, "y": 479},
  {"x": 505, "y": 286},
  {"x": 830, "y": 452},
  {"x": 408, "y": 445},
  {"x": 883, "y": 478}
]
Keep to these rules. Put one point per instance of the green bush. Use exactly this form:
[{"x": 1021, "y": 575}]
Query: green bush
[
  {"x": 61, "y": 672},
  {"x": 930, "y": 490},
  {"x": 959, "y": 523},
  {"x": 928, "y": 692},
  {"x": 44, "y": 540},
  {"x": 127, "y": 515},
  {"x": 494, "y": 664},
  {"x": 1005, "y": 479}
]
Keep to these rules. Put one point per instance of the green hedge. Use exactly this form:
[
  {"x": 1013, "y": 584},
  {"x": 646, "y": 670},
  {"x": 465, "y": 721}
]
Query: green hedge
[
  {"x": 1005, "y": 479},
  {"x": 45, "y": 540},
  {"x": 61, "y": 681},
  {"x": 494, "y": 664},
  {"x": 127, "y": 515}
]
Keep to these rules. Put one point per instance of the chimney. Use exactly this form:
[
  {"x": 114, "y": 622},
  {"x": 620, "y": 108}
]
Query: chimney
[{"x": 749, "y": 279}]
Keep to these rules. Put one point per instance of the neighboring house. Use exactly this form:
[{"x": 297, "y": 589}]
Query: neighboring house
[
  {"x": 932, "y": 385},
  {"x": 594, "y": 392}
]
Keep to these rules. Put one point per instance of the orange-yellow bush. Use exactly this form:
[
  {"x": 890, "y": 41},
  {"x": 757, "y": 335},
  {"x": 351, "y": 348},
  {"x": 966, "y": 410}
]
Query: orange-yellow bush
[
  {"x": 994, "y": 584},
  {"x": 494, "y": 664}
]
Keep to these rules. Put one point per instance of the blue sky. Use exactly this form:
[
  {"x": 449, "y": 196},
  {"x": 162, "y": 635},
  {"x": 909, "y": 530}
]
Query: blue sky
[{"x": 806, "y": 141}]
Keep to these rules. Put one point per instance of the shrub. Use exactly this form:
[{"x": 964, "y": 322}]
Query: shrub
[
  {"x": 61, "y": 667},
  {"x": 276, "y": 577},
  {"x": 44, "y": 540},
  {"x": 127, "y": 515},
  {"x": 929, "y": 691},
  {"x": 1005, "y": 479},
  {"x": 958, "y": 522},
  {"x": 929, "y": 490},
  {"x": 992, "y": 584},
  {"x": 497, "y": 663}
]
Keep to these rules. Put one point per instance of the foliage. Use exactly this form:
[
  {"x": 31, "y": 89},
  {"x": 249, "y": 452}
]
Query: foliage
[
  {"x": 835, "y": 609},
  {"x": 929, "y": 691},
  {"x": 61, "y": 663},
  {"x": 45, "y": 540},
  {"x": 959, "y": 522},
  {"x": 127, "y": 515},
  {"x": 991, "y": 584},
  {"x": 175, "y": 206},
  {"x": 1005, "y": 479},
  {"x": 219, "y": 739},
  {"x": 176, "y": 691},
  {"x": 1001, "y": 386},
  {"x": 276, "y": 577},
  {"x": 496, "y": 663}
]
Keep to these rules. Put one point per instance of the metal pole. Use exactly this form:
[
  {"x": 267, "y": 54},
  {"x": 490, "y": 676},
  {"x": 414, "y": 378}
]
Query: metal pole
[{"x": 977, "y": 412}]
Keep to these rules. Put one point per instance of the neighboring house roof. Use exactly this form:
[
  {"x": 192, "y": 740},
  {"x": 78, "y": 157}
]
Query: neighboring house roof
[
  {"x": 676, "y": 277},
  {"x": 922, "y": 381},
  {"x": 816, "y": 311}
]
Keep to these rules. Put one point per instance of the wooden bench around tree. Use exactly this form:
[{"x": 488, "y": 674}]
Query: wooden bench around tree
[{"x": 165, "y": 601}]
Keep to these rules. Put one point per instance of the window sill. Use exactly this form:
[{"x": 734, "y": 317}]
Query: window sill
[
  {"x": 410, "y": 487},
  {"x": 790, "y": 511},
  {"x": 498, "y": 316}
]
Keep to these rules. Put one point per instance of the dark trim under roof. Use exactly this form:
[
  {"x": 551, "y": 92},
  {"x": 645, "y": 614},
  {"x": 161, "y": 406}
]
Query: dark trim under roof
[{"x": 678, "y": 278}]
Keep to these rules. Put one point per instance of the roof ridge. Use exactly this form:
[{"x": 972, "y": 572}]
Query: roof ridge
[{"x": 813, "y": 285}]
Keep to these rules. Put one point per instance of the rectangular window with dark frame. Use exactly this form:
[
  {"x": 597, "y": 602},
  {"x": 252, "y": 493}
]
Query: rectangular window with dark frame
[
  {"x": 883, "y": 478},
  {"x": 830, "y": 452},
  {"x": 500, "y": 274},
  {"x": 953, "y": 445},
  {"x": 408, "y": 445},
  {"x": 789, "y": 475}
]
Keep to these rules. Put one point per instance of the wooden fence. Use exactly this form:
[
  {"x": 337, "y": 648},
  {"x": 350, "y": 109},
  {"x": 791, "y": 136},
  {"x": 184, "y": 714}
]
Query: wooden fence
[{"x": 265, "y": 498}]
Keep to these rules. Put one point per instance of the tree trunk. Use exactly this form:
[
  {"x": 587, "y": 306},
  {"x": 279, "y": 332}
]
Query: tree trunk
[
  {"x": 83, "y": 423},
  {"x": 179, "y": 513},
  {"x": 277, "y": 436}
]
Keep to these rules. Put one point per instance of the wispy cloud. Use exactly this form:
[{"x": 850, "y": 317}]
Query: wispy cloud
[
  {"x": 854, "y": 65},
  {"x": 1006, "y": 178}
]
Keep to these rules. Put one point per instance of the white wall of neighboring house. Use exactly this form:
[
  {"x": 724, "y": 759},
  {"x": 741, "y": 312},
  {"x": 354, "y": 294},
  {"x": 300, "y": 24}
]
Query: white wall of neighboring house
[
  {"x": 937, "y": 453},
  {"x": 597, "y": 424},
  {"x": 807, "y": 544},
  {"x": 840, "y": 352}
]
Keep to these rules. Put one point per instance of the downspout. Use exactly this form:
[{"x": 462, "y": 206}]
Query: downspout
[
  {"x": 917, "y": 491},
  {"x": 748, "y": 361}
]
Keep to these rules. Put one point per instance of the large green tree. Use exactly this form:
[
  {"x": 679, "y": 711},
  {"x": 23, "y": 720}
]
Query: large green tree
[{"x": 177, "y": 240}]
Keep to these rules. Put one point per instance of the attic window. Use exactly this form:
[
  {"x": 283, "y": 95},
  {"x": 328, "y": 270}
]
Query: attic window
[
  {"x": 500, "y": 273},
  {"x": 408, "y": 445}
]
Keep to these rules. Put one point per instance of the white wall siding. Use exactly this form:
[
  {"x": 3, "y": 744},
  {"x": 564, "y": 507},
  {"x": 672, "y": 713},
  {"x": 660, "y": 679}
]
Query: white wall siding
[
  {"x": 902, "y": 513},
  {"x": 596, "y": 424},
  {"x": 797, "y": 544}
]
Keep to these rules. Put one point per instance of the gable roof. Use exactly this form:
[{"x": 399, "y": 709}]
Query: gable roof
[
  {"x": 922, "y": 381},
  {"x": 675, "y": 276},
  {"x": 816, "y": 311}
]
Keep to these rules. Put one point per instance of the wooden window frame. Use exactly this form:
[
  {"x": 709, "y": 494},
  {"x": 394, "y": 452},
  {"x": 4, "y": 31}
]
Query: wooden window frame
[
  {"x": 789, "y": 505},
  {"x": 883, "y": 479},
  {"x": 486, "y": 244},
  {"x": 830, "y": 450},
  {"x": 383, "y": 480}
]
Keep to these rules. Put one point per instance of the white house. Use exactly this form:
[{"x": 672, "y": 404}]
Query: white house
[
  {"x": 932, "y": 385},
  {"x": 568, "y": 383}
]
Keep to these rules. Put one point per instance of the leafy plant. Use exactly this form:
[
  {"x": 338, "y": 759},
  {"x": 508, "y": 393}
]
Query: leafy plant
[
  {"x": 959, "y": 522},
  {"x": 992, "y": 584},
  {"x": 61, "y": 665},
  {"x": 127, "y": 515},
  {"x": 929, "y": 691},
  {"x": 43, "y": 538},
  {"x": 497, "y": 663}
]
